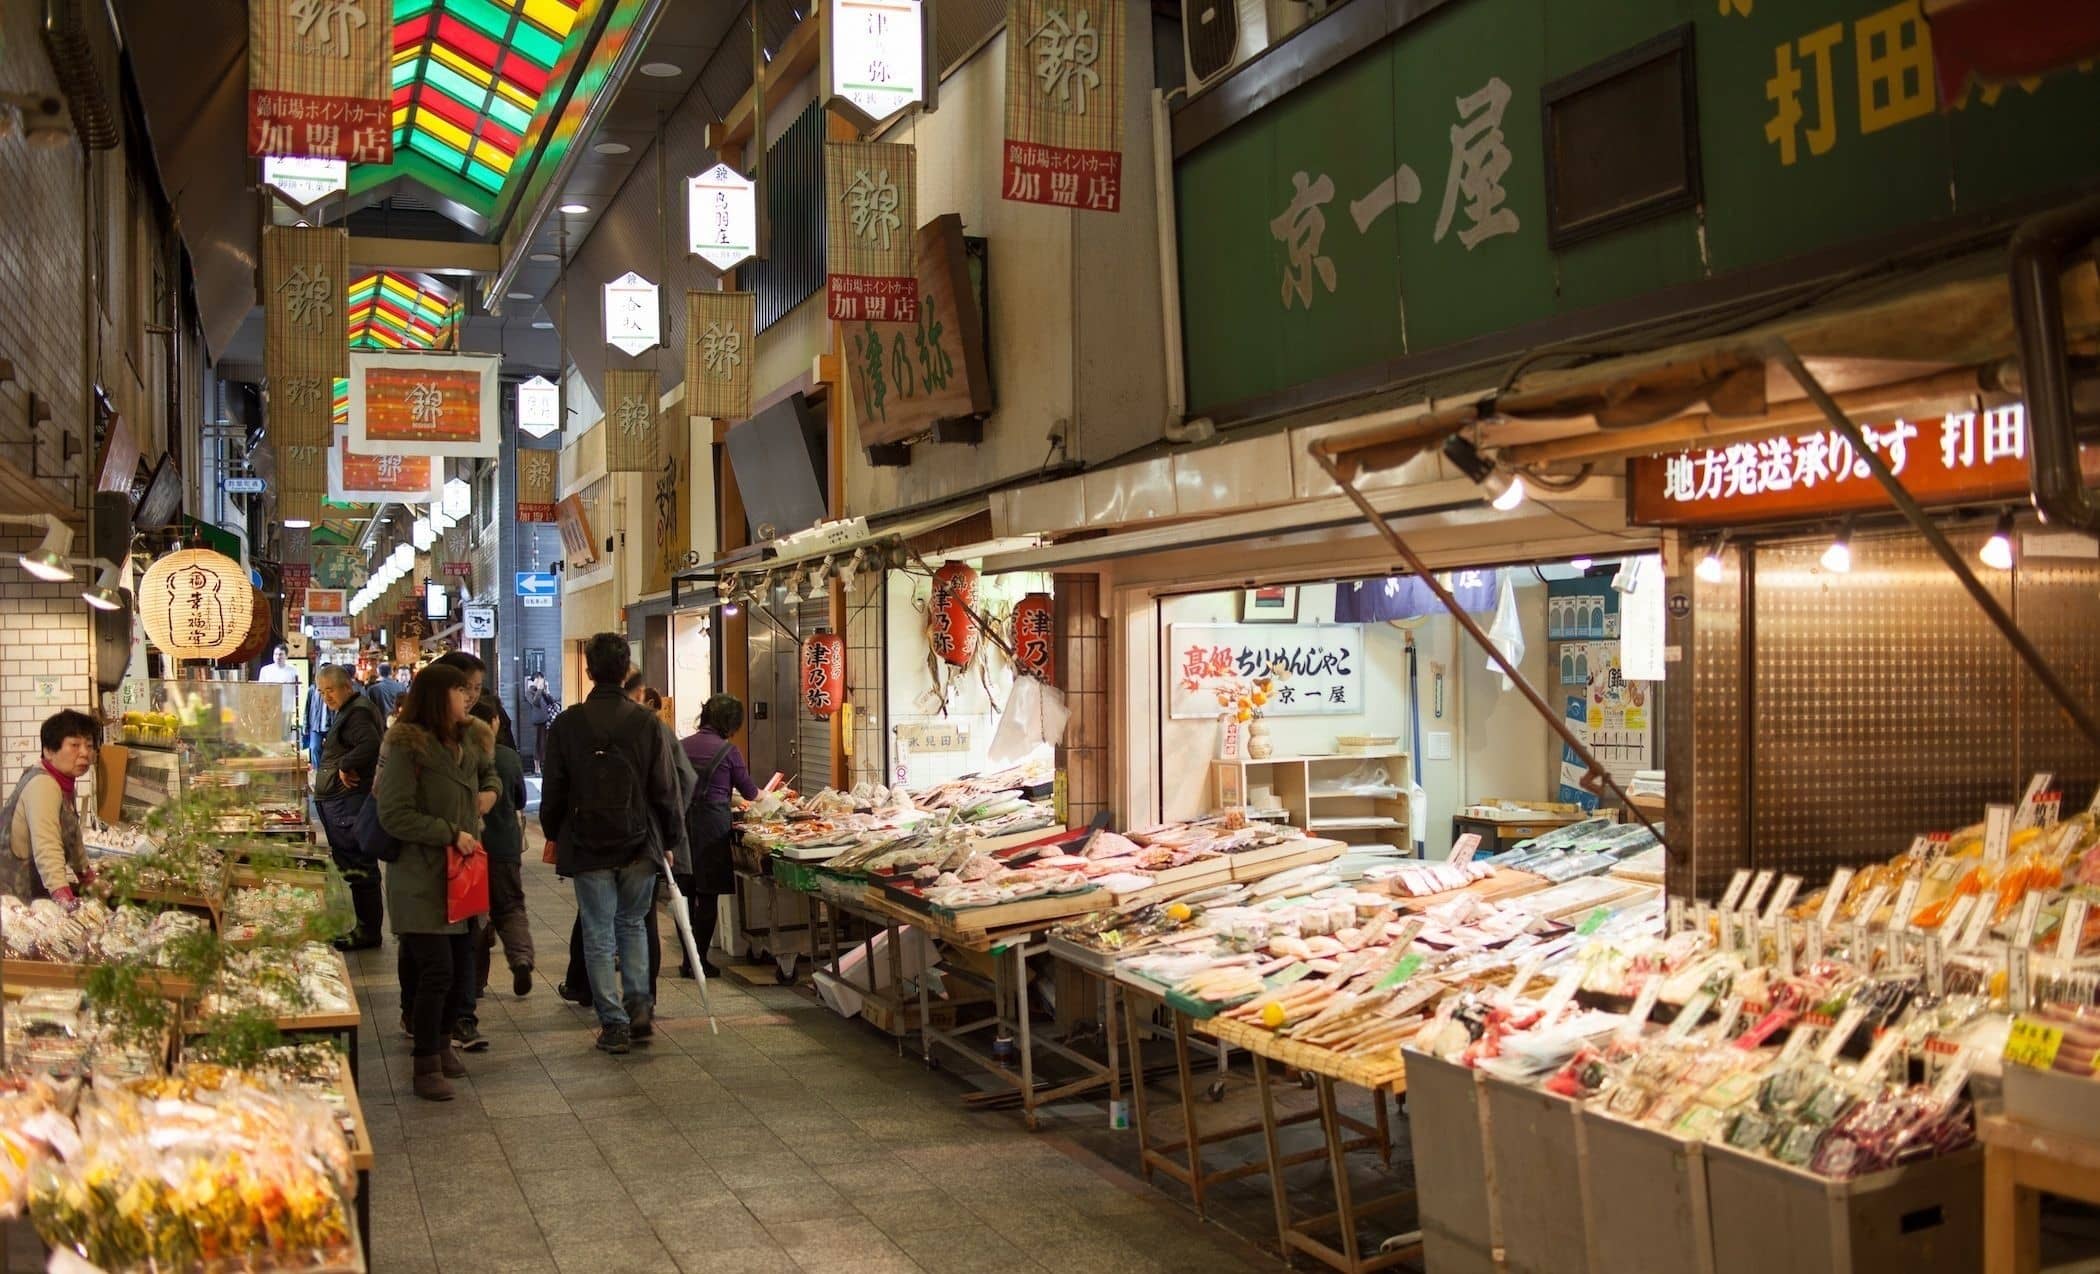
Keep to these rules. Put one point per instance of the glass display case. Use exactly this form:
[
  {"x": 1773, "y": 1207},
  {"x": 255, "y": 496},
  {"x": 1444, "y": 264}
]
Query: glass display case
[{"x": 234, "y": 736}]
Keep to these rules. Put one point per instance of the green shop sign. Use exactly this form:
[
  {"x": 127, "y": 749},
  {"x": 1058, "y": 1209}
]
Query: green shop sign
[{"x": 1398, "y": 203}]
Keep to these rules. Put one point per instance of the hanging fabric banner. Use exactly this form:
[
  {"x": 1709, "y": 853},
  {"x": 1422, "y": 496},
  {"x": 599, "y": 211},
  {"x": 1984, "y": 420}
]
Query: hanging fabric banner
[
  {"x": 358, "y": 477},
  {"x": 306, "y": 334},
  {"x": 871, "y": 220},
  {"x": 631, "y": 442},
  {"x": 536, "y": 486},
  {"x": 721, "y": 331},
  {"x": 1064, "y": 103},
  {"x": 426, "y": 404},
  {"x": 318, "y": 82}
]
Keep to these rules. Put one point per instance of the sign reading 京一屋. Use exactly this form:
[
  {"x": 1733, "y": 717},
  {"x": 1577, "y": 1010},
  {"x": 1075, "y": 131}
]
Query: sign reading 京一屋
[
  {"x": 1952, "y": 459},
  {"x": 871, "y": 218},
  {"x": 318, "y": 79},
  {"x": 1064, "y": 103},
  {"x": 1319, "y": 668}
]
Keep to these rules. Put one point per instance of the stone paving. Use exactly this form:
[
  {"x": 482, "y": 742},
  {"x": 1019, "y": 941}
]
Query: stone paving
[{"x": 793, "y": 1140}]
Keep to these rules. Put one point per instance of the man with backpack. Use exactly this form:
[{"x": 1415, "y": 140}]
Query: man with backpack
[{"x": 609, "y": 803}]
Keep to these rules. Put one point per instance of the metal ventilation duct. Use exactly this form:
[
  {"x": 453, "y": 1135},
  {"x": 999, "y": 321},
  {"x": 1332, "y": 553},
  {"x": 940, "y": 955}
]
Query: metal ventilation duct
[{"x": 74, "y": 57}]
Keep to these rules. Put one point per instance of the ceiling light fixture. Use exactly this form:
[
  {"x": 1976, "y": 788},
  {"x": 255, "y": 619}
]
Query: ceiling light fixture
[
  {"x": 612, "y": 148},
  {"x": 519, "y": 296},
  {"x": 542, "y": 325},
  {"x": 1580, "y": 565},
  {"x": 575, "y": 209},
  {"x": 1505, "y": 490},
  {"x": 1997, "y": 552},
  {"x": 661, "y": 70},
  {"x": 1711, "y": 568},
  {"x": 545, "y": 258},
  {"x": 298, "y": 524},
  {"x": 1512, "y": 491},
  {"x": 1837, "y": 559}
]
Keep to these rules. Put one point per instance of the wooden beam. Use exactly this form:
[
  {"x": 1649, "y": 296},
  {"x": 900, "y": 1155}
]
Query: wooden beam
[
  {"x": 796, "y": 57},
  {"x": 430, "y": 256}
]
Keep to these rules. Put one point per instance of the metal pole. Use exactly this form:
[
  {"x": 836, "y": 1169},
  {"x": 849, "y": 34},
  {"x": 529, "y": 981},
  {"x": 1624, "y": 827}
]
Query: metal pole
[
  {"x": 1913, "y": 512},
  {"x": 1595, "y": 775}
]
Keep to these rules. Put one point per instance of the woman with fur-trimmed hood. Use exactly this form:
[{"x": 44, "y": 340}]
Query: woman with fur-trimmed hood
[{"x": 436, "y": 779}]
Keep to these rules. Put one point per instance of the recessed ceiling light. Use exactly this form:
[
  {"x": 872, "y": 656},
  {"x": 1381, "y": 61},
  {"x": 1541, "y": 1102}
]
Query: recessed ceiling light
[
  {"x": 660, "y": 70},
  {"x": 545, "y": 258},
  {"x": 612, "y": 148},
  {"x": 575, "y": 209},
  {"x": 519, "y": 296},
  {"x": 543, "y": 325}
]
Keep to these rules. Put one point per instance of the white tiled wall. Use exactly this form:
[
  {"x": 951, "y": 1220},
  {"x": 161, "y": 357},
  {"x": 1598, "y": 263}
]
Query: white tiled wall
[{"x": 43, "y": 645}]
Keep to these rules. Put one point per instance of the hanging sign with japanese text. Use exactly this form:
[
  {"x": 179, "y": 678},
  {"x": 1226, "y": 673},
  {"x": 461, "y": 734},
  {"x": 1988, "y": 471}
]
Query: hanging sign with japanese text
[
  {"x": 1064, "y": 103},
  {"x": 1035, "y": 637},
  {"x": 536, "y": 486},
  {"x": 907, "y": 376},
  {"x": 361, "y": 477},
  {"x": 539, "y": 407},
  {"x": 579, "y": 548},
  {"x": 1953, "y": 459},
  {"x": 1318, "y": 668},
  {"x": 306, "y": 182},
  {"x": 871, "y": 198},
  {"x": 631, "y": 442},
  {"x": 632, "y": 322},
  {"x": 721, "y": 208},
  {"x": 306, "y": 334},
  {"x": 318, "y": 83},
  {"x": 425, "y": 404},
  {"x": 721, "y": 330},
  {"x": 874, "y": 57},
  {"x": 327, "y": 601}
]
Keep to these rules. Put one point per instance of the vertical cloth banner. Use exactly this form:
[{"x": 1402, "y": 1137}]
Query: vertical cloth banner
[
  {"x": 1064, "y": 103},
  {"x": 871, "y": 231},
  {"x": 631, "y": 442},
  {"x": 306, "y": 334},
  {"x": 318, "y": 82},
  {"x": 721, "y": 332},
  {"x": 536, "y": 486}
]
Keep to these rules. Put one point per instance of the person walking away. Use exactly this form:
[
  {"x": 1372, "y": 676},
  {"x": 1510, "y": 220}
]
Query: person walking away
[
  {"x": 44, "y": 854},
  {"x": 708, "y": 822},
  {"x": 540, "y": 708},
  {"x": 386, "y": 692},
  {"x": 503, "y": 836},
  {"x": 435, "y": 783},
  {"x": 349, "y": 757},
  {"x": 610, "y": 804}
]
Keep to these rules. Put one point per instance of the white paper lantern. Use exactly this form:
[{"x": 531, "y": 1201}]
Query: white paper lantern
[{"x": 196, "y": 604}]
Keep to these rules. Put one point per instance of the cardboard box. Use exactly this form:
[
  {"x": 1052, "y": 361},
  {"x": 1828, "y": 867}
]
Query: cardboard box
[
  {"x": 1454, "y": 1192},
  {"x": 1537, "y": 1164},
  {"x": 1925, "y": 1218},
  {"x": 1646, "y": 1203}
]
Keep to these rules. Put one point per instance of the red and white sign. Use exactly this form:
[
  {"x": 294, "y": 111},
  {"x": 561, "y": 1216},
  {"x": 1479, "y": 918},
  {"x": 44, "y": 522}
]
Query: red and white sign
[
  {"x": 318, "y": 79},
  {"x": 1064, "y": 104},
  {"x": 327, "y": 601},
  {"x": 462, "y": 569}
]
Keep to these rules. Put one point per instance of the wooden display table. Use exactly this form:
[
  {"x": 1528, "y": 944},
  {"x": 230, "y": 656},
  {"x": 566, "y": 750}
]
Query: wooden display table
[{"x": 2022, "y": 1162}]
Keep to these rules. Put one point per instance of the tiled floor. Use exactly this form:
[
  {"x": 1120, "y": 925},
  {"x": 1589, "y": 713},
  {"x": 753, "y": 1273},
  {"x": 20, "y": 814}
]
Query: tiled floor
[{"x": 793, "y": 1140}]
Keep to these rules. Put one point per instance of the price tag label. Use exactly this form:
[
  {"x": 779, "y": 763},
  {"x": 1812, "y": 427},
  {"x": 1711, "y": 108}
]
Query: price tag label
[
  {"x": 1752, "y": 932},
  {"x": 1834, "y": 897},
  {"x": 1728, "y": 935},
  {"x": 1758, "y": 884},
  {"x": 1463, "y": 849},
  {"x": 2074, "y": 929},
  {"x": 1688, "y": 1016},
  {"x": 1736, "y": 885},
  {"x": 1295, "y": 972},
  {"x": 1979, "y": 924},
  {"x": 1871, "y": 907},
  {"x": 1948, "y": 1086},
  {"x": 1701, "y": 913},
  {"x": 1788, "y": 887},
  {"x": 1527, "y": 969},
  {"x": 1675, "y": 917},
  {"x": 1906, "y": 904},
  {"x": 1643, "y": 1008},
  {"x": 1563, "y": 989},
  {"x": 1957, "y": 916},
  {"x": 1920, "y": 846},
  {"x": 2025, "y": 815},
  {"x": 1848, "y": 1025},
  {"x": 1784, "y": 940},
  {"x": 1594, "y": 921},
  {"x": 1857, "y": 949},
  {"x": 2033, "y": 1044},
  {"x": 1882, "y": 1056},
  {"x": 1997, "y": 832},
  {"x": 2030, "y": 911},
  {"x": 1402, "y": 971},
  {"x": 1405, "y": 935},
  {"x": 1797, "y": 1041},
  {"x": 1812, "y": 945},
  {"x": 2019, "y": 983},
  {"x": 1724, "y": 1025},
  {"x": 1935, "y": 967}
]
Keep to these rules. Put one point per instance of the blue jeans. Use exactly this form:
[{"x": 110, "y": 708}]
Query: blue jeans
[{"x": 612, "y": 904}]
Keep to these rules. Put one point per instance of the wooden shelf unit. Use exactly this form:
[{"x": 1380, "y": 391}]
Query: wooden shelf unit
[{"x": 1379, "y": 816}]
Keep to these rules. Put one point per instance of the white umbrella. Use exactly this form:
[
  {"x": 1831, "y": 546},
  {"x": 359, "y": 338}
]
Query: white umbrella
[{"x": 682, "y": 917}]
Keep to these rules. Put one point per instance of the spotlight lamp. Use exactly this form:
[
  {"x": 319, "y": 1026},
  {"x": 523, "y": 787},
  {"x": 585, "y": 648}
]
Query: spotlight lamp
[
  {"x": 1997, "y": 552},
  {"x": 1837, "y": 559}
]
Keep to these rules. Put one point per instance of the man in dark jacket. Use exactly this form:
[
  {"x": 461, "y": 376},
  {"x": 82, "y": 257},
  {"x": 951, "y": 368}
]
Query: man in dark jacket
[
  {"x": 540, "y": 707},
  {"x": 609, "y": 804},
  {"x": 386, "y": 692},
  {"x": 349, "y": 755}
]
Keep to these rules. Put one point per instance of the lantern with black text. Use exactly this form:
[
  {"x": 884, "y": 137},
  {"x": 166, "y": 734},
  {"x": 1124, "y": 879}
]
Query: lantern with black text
[
  {"x": 1035, "y": 626},
  {"x": 196, "y": 604},
  {"x": 823, "y": 675},
  {"x": 954, "y": 633}
]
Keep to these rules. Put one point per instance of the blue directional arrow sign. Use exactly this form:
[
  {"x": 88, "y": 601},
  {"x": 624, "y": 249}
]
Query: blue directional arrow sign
[{"x": 536, "y": 583}]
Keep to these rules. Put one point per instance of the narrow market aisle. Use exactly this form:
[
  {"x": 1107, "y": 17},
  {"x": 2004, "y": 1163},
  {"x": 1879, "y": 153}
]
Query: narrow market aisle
[{"x": 794, "y": 1140}]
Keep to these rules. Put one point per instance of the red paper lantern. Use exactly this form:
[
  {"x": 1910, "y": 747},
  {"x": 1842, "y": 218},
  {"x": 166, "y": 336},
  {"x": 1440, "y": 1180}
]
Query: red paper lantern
[
  {"x": 954, "y": 620},
  {"x": 823, "y": 675},
  {"x": 1035, "y": 636}
]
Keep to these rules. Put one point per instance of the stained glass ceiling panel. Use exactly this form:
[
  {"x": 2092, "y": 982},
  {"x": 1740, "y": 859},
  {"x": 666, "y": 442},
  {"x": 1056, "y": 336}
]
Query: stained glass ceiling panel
[
  {"x": 467, "y": 77},
  {"x": 392, "y": 310}
]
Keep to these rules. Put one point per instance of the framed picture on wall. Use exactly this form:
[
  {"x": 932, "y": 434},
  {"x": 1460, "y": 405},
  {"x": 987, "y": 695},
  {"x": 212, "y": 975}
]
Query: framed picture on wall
[{"x": 1269, "y": 606}]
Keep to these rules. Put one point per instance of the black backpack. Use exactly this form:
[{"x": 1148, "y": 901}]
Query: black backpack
[{"x": 607, "y": 813}]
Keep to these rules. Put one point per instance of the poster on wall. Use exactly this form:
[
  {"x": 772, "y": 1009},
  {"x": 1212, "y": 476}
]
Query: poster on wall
[
  {"x": 358, "y": 477},
  {"x": 1613, "y": 717},
  {"x": 1064, "y": 104},
  {"x": 318, "y": 79},
  {"x": 1319, "y": 668},
  {"x": 425, "y": 404}
]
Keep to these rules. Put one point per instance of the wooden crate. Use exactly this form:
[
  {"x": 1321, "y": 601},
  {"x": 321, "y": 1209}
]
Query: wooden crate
[
  {"x": 1454, "y": 1190},
  {"x": 1924, "y": 1218},
  {"x": 1539, "y": 1185},
  {"x": 1647, "y": 1200}
]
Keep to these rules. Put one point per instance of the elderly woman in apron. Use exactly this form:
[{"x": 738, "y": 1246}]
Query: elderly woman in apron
[{"x": 709, "y": 826}]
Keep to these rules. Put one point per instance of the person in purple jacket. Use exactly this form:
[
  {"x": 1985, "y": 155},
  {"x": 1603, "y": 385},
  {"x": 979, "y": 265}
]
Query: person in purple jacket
[{"x": 708, "y": 824}]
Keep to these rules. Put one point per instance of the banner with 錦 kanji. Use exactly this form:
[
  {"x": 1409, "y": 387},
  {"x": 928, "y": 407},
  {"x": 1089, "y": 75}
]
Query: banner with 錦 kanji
[
  {"x": 318, "y": 80},
  {"x": 361, "y": 477},
  {"x": 425, "y": 404},
  {"x": 536, "y": 493},
  {"x": 1064, "y": 103},
  {"x": 631, "y": 442},
  {"x": 306, "y": 333},
  {"x": 721, "y": 330},
  {"x": 871, "y": 226}
]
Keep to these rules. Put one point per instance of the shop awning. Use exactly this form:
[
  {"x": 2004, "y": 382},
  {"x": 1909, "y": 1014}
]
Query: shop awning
[{"x": 846, "y": 538}]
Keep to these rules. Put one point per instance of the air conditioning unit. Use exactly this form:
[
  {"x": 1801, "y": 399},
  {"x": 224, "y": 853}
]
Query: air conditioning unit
[{"x": 1217, "y": 35}]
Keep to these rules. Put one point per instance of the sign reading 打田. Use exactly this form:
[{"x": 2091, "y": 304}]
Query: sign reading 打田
[
  {"x": 1311, "y": 251},
  {"x": 1318, "y": 668}
]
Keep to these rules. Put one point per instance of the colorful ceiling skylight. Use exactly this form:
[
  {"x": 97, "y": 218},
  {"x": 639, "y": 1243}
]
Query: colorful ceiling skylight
[
  {"x": 393, "y": 310},
  {"x": 467, "y": 76}
]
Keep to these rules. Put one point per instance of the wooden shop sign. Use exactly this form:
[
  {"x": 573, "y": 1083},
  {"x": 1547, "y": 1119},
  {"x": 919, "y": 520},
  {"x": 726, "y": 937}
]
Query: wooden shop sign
[{"x": 909, "y": 377}]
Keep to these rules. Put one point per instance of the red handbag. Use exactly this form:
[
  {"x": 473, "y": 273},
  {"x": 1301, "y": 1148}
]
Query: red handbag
[{"x": 466, "y": 883}]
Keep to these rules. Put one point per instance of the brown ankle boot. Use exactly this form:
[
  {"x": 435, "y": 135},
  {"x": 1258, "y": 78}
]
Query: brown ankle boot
[
  {"x": 450, "y": 1063},
  {"x": 430, "y": 1083}
]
